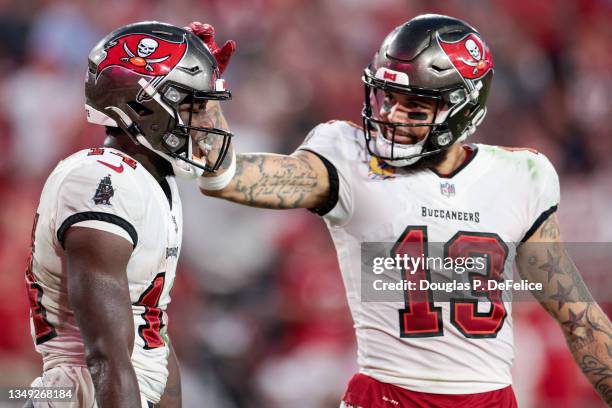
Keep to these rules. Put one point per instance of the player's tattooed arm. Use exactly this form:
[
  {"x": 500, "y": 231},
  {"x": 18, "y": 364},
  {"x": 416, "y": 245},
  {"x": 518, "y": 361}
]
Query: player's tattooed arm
[
  {"x": 98, "y": 293},
  {"x": 261, "y": 179},
  {"x": 586, "y": 327},
  {"x": 277, "y": 181}
]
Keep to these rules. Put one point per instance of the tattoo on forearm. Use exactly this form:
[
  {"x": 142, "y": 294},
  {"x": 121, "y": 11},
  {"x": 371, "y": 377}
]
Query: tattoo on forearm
[
  {"x": 598, "y": 321},
  {"x": 563, "y": 295},
  {"x": 579, "y": 341},
  {"x": 284, "y": 181},
  {"x": 574, "y": 322},
  {"x": 600, "y": 373},
  {"x": 591, "y": 350},
  {"x": 566, "y": 297}
]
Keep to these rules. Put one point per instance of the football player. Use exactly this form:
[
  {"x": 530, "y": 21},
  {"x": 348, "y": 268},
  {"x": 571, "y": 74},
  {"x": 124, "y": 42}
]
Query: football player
[
  {"x": 409, "y": 177},
  {"x": 108, "y": 229}
]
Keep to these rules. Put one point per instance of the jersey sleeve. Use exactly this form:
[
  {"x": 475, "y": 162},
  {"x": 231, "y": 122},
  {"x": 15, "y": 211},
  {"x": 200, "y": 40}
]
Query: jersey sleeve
[
  {"x": 327, "y": 141},
  {"x": 95, "y": 196},
  {"x": 544, "y": 192}
]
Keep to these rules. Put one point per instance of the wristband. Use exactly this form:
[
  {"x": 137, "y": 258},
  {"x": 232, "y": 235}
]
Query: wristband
[{"x": 216, "y": 183}]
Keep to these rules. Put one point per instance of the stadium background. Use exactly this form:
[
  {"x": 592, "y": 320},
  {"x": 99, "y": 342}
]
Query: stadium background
[{"x": 258, "y": 316}]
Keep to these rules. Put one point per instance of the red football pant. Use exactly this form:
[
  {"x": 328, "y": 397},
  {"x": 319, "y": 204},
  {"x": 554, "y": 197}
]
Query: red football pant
[{"x": 366, "y": 392}]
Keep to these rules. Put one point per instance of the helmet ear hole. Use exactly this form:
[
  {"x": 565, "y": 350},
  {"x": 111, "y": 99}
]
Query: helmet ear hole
[{"x": 139, "y": 109}]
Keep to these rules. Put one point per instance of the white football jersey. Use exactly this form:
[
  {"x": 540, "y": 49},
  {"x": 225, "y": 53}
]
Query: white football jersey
[
  {"x": 491, "y": 203},
  {"x": 103, "y": 188}
]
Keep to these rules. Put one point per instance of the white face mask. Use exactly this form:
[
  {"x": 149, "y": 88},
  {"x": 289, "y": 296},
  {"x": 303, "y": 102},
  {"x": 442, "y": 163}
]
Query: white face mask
[
  {"x": 383, "y": 147},
  {"x": 404, "y": 154}
]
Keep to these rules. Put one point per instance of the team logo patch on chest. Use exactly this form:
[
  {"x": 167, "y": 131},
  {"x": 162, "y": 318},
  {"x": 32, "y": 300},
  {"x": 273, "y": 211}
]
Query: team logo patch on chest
[
  {"x": 104, "y": 192},
  {"x": 379, "y": 170},
  {"x": 447, "y": 189}
]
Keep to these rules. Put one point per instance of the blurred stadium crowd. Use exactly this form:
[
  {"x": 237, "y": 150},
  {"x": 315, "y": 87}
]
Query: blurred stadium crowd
[{"x": 258, "y": 316}]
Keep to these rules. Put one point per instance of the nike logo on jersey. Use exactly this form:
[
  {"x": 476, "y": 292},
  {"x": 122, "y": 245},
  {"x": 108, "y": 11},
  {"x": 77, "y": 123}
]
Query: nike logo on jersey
[{"x": 118, "y": 169}]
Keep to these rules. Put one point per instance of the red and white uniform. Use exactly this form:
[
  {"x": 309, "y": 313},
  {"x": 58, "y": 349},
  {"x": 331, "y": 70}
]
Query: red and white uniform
[
  {"x": 106, "y": 190},
  {"x": 494, "y": 201}
]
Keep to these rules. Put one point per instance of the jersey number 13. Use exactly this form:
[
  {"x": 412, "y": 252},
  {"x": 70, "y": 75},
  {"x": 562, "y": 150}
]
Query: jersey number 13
[{"x": 420, "y": 318}]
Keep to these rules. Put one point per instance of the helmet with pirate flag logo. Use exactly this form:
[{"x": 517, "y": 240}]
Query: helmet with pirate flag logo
[
  {"x": 140, "y": 75},
  {"x": 435, "y": 57}
]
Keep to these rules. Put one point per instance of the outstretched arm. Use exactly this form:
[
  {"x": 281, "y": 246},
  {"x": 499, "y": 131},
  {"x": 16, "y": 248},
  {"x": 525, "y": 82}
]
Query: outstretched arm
[
  {"x": 263, "y": 180},
  {"x": 565, "y": 297},
  {"x": 277, "y": 181}
]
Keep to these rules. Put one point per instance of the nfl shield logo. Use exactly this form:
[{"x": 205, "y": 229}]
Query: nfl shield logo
[{"x": 447, "y": 189}]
